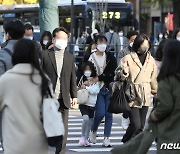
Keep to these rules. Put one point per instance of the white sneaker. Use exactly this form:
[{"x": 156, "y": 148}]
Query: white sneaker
[
  {"x": 92, "y": 137},
  {"x": 125, "y": 123},
  {"x": 106, "y": 142}
]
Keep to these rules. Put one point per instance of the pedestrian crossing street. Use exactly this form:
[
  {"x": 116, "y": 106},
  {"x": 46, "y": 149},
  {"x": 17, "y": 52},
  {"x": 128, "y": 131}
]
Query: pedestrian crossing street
[{"x": 74, "y": 134}]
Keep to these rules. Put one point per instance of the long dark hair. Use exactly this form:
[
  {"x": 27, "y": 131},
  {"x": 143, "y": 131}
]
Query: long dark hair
[
  {"x": 49, "y": 35},
  {"x": 159, "y": 51},
  {"x": 171, "y": 60},
  {"x": 139, "y": 40},
  {"x": 25, "y": 51}
]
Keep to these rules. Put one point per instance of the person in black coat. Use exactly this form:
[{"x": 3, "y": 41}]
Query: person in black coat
[
  {"x": 111, "y": 64},
  {"x": 105, "y": 64},
  {"x": 59, "y": 66}
]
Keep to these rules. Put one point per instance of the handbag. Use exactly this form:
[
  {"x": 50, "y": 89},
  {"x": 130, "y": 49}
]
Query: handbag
[
  {"x": 131, "y": 92},
  {"x": 118, "y": 102},
  {"x": 52, "y": 119},
  {"x": 82, "y": 94},
  {"x": 123, "y": 94}
]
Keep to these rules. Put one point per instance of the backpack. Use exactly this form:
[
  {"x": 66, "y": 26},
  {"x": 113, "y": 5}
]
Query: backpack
[{"x": 9, "y": 53}]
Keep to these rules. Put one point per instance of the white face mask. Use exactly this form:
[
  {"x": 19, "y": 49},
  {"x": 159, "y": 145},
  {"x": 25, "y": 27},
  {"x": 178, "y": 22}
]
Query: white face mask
[
  {"x": 102, "y": 47},
  {"x": 160, "y": 35},
  {"x": 111, "y": 31},
  {"x": 120, "y": 34},
  {"x": 131, "y": 44},
  {"x": 87, "y": 73},
  {"x": 28, "y": 37},
  {"x": 45, "y": 42},
  {"x": 60, "y": 44},
  {"x": 178, "y": 38}
]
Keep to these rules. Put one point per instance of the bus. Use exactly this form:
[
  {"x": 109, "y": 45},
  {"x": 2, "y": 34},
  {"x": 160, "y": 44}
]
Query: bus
[{"x": 87, "y": 14}]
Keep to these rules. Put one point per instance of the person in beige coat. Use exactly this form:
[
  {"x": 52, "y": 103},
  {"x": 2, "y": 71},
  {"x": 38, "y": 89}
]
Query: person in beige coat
[
  {"x": 140, "y": 68},
  {"x": 21, "y": 92}
]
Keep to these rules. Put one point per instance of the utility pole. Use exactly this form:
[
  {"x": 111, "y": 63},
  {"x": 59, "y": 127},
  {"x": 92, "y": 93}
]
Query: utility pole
[
  {"x": 72, "y": 26},
  {"x": 138, "y": 12},
  {"x": 48, "y": 15}
]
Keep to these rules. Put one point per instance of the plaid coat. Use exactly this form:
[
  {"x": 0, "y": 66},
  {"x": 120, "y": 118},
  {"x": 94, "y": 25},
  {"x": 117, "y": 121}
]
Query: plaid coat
[{"x": 129, "y": 67}]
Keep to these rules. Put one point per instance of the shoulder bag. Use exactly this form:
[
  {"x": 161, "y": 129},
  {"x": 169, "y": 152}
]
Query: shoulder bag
[
  {"x": 52, "y": 119},
  {"x": 82, "y": 94}
]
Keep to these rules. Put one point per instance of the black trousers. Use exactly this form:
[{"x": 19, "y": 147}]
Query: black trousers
[
  {"x": 61, "y": 148},
  {"x": 137, "y": 117}
]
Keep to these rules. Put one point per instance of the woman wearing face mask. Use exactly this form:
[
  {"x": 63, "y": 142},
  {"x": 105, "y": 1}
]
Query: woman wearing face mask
[
  {"x": 131, "y": 35},
  {"x": 105, "y": 64},
  {"x": 87, "y": 81},
  {"x": 46, "y": 40},
  {"x": 140, "y": 68}
]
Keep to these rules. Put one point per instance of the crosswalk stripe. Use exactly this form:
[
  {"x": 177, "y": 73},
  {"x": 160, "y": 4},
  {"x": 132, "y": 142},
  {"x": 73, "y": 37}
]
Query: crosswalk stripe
[
  {"x": 92, "y": 150},
  {"x": 72, "y": 116},
  {"x": 74, "y": 135},
  {"x": 98, "y": 138},
  {"x": 99, "y": 149},
  {"x": 99, "y": 132},
  {"x": 75, "y": 120},
  {"x": 101, "y": 138},
  {"x": 101, "y": 127},
  {"x": 80, "y": 123},
  {"x": 112, "y": 143},
  {"x": 77, "y": 144}
]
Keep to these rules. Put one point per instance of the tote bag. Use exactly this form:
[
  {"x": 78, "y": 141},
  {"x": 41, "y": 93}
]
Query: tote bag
[{"x": 52, "y": 119}]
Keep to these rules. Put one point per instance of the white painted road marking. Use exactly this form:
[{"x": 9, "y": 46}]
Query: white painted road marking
[
  {"x": 99, "y": 149},
  {"x": 101, "y": 127}
]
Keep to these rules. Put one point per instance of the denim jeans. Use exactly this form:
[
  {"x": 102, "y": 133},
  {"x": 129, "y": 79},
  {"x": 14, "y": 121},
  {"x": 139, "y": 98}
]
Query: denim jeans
[{"x": 101, "y": 112}]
